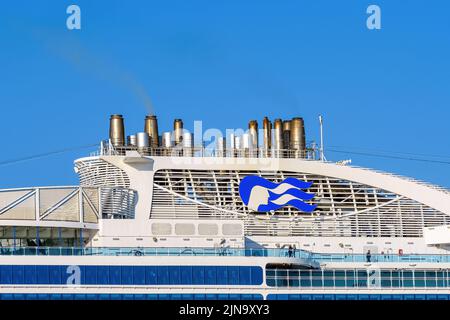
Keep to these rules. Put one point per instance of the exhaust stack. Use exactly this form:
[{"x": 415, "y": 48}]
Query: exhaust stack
[
  {"x": 253, "y": 131},
  {"x": 167, "y": 140},
  {"x": 131, "y": 140},
  {"x": 287, "y": 134},
  {"x": 178, "y": 131},
  {"x": 267, "y": 127},
  {"x": 188, "y": 144},
  {"x": 117, "y": 130},
  {"x": 298, "y": 141},
  {"x": 278, "y": 134},
  {"x": 142, "y": 142},
  {"x": 151, "y": 127}
]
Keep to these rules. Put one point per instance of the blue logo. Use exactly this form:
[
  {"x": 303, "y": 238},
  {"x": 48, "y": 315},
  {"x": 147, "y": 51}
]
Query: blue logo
[{"x": 261, "y": 195}]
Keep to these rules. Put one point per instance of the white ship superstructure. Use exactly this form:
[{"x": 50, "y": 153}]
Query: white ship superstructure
[{"x": 157, "y": 217}]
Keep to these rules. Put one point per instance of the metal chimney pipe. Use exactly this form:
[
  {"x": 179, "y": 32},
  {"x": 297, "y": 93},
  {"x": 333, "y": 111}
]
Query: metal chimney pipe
[
  {"x": 278, "y": 133},
  {"x": 117, "y": 130},
  {"x": 131, "y": 140},
  {"x": 253, "y": 131},
  {"x": 298, "y": 141},
  {"x": 151, "y": 127},
  {"x": 167, "y": 140},
  {"x": 178, "y": 131},
  {"x": 287, "y": 134},
  {"x": 142, "y": 142},
  {"x": 188, "y": 144},
  {"x": 267, "y": 127}
]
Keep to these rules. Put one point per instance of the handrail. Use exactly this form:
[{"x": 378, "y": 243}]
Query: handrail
[
  {"x": 308, "y": 154},
  {"x": 226, "y": 251}
]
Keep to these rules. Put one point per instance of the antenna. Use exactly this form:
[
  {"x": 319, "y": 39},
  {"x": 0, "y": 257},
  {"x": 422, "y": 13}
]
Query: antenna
[{"x": 322, "y": 156}]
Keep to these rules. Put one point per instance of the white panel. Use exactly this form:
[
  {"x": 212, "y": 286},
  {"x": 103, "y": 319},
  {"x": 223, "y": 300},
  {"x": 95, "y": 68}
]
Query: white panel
[
  {"x": 208, "y": 229},
  {"x": 161, "y": 229},
  {"x": 184, "y": 229},
  {"x": 69, "y": 211},
  {"x": 8, "y": 197},
  {"x": 88, "y": 214},
  {"x": 23, "y": 211},
  {"x": 49, "y": 197},
  {"x": 437, "y": 235},
  {"x": 232, "y": 229}
]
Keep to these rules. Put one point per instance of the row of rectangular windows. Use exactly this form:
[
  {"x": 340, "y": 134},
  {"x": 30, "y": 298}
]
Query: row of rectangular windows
[
  {"x": 28, "y": 296},
  {"x": 132, "y": 275},
  {"x": 358, "y": 278}
]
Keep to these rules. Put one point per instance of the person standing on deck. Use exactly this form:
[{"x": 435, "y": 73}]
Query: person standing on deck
[{"x": 368, "y": 255}]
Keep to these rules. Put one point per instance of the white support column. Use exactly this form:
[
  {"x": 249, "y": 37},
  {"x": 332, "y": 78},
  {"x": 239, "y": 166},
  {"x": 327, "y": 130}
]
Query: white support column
[
  {"x": 355, "y": 207},
  {"x": 80, "y": 204},
  {"x": 378, "y": 211},
  {"x": 37, "y": 204}
]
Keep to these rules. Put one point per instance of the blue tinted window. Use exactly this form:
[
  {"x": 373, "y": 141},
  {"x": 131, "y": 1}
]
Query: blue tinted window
[
  {"x": 396, "y": 279},
  {"x": 233, "y": 275},
  {"x": 198, "y": 275},
  {"x": 350, "y": 274},
  {"x": 328, "y": 278},
  {"x": 151, "y": 276},
  {"x": 42, "y": 274},
  {"x": 419, "y": 278},
  {"x": 245, "y": 275},
  {"x": 210, "y": 275},
  {"x": 6, "y": 274},
  {"x": 139, "y": 275},
  {"x": 222, "y": 275},
  {"x": 30, "y": 275},
  {"x": 408, "y": 279},
  {"x": 440, "y": 278},
  {"x": 305, "y": 278},
  {"x": 55, "y": 274},
  {"x": 386, "y": 279},
  {"x": 127, "y": 275},
  {"x": 257, "y": 275},
  {"x": 186, "y": 275},
  {"x": 430, "y": 278},
  {"x": 114, "y": 275},
  {"x": 174, "y": 274},
  {"x": 18, "y": 275},
  {"x": 339, "y": 278},
  {"x": 90, "y": 274},
  {"x": 102, "y": 274},
  {"x": 163, "y": 275}
]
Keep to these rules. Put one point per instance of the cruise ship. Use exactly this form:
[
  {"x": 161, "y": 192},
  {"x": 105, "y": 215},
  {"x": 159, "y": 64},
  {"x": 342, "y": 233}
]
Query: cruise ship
[{"x": 258, "y": 214}]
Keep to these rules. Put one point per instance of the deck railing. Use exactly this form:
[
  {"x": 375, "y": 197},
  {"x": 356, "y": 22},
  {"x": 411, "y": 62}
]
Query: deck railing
[{"x": 242, "y": 252}]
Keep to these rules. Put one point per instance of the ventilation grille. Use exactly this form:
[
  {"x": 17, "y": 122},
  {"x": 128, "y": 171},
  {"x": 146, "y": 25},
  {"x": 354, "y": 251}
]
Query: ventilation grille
[
  {"x": 118, "y": 203},
  {"x": 99, "y": 173}
]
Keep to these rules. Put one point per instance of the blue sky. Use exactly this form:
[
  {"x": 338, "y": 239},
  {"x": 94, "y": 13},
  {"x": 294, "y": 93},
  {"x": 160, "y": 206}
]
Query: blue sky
[{"x": 225, "y": 62}]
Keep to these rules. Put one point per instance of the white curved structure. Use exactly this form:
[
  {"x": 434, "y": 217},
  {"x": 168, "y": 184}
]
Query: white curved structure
[{"x": 144, "y": 218}]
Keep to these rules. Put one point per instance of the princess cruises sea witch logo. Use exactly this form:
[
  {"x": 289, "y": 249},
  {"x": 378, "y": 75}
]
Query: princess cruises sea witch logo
[{"x": 262, "y": 195}]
